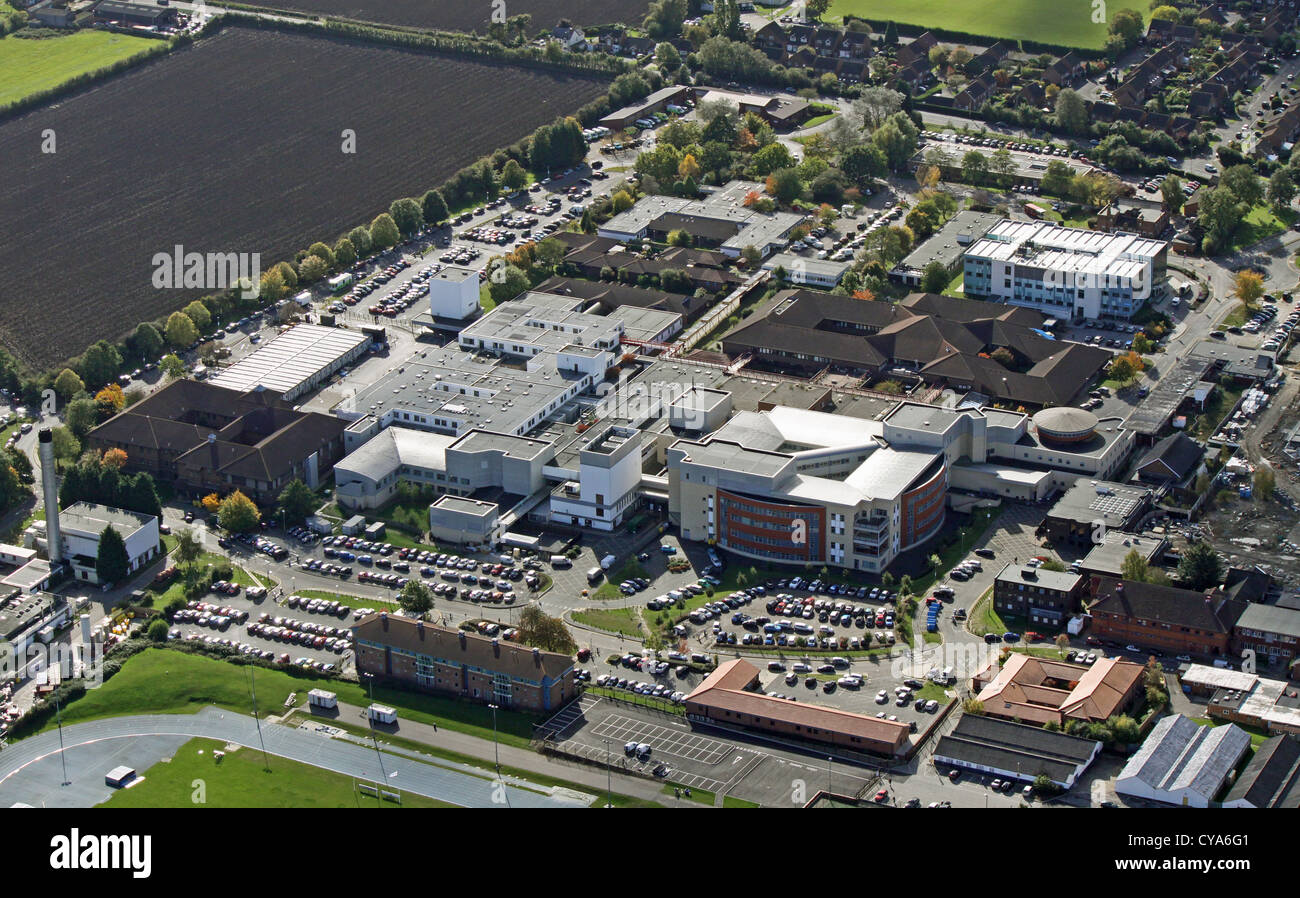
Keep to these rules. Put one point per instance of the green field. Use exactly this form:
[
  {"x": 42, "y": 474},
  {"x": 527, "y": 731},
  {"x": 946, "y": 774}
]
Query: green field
[
  {"x": 241, "y": 780},
  {"x": 31, "y": 66},
  {"x": 168, "y": 681},
  {"x": 1066, "y": 22}
]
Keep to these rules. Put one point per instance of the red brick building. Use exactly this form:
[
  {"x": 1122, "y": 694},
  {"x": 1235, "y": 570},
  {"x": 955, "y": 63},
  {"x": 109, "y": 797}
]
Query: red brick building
[
  {"x": 1176, "y": 621},
  {"x": 434, "y": 659}
]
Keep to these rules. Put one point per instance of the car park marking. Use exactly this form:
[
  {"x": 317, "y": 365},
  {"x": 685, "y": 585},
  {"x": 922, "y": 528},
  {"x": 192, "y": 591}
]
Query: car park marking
[
  {"x": 570, "y": 718},
  {"x": 679, "y": 743}
]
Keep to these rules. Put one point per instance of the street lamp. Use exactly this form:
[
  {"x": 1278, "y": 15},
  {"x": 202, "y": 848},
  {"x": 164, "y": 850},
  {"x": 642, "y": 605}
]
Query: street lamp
[
  {"x": 370, "y": 679},
  {"x": 496, "y": 746},
  {"x": 609, "y": 778}
]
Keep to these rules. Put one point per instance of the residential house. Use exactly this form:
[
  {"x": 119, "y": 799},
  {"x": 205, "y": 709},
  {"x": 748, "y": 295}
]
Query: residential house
[
  {"x": 1066, "y": 71},
  {"x": 1175, "y": 459}
]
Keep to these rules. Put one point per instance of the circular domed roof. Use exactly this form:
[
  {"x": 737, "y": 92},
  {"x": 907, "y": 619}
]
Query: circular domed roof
[{"x": 1065, "y": 424}]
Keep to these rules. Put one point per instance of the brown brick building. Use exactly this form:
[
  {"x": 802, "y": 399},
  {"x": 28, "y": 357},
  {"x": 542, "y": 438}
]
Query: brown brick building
[
  {"x": 1176, "y": 621},
  {"x": 435, "y": 659},
  {"x": 1043, "y": 598},
  {"x": 204, "y": 439}
]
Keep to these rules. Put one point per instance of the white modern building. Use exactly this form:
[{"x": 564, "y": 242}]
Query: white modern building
[
  {"x": 1065, "y": 272},
  {"x": 609, "y": 472},
  {"x": 453, "y": 293},
  {"x": 81, "y": 525}
]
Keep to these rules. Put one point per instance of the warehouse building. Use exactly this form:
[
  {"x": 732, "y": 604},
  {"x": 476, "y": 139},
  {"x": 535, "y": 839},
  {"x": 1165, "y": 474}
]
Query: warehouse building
[
  {"x": 1182, "y": 763},
  {"x": 1066, "y": 272},
  {"x": 422, "y": 656},
  {"x": 295, "y": 362},
  {"x": 1271, "y": 779},
  {"x": 1015, "y": 750}
]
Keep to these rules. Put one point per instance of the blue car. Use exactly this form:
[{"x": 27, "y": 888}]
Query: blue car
[
  {"x": 668, "y": 550},
  {"x": 1010, "y": 637}
]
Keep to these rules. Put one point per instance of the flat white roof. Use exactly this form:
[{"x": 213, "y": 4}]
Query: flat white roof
[
  {"x": 1074, "y": 250},
  {"x": 288, "y": 361}
]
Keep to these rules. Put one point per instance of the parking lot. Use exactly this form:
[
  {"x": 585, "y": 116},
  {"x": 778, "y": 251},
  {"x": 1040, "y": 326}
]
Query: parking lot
[
  {"x": 259, "y": 624},
  {"x": 599, "y": 728}
]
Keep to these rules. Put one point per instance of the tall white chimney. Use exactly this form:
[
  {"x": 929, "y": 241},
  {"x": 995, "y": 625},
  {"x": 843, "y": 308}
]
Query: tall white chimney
[{"x": 50, "y": 482}]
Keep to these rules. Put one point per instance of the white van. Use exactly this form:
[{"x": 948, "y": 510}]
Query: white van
[{"x": 561, "y": 561}]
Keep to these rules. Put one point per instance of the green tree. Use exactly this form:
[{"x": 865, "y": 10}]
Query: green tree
[
  {"x": 238, "y": 514},
  {"x": 415, "y": 598},
  {"x": 513, "y": 176},
  {"x": 1171, "y": 191},
  {"x": 360, "y": 237},
  {"x": 1200, "y": 567},
  {"x": 1220, "y": 214},
  {"x": 407, "y": 215},
  {"x": 157, "y": 631},
  {"x": 1135, "y": 567},
  {"x": 383, "y": 231},
  {"x": 770, "y": 158},
  {"x": 974, "y": 167},
  {"x": 864, "y": 163},
  {"x": 65, "y": 443},
  {"x": 311, "y": 269},
  {"x": 172, "y": 365},
  {"x": 1244, "y": 184},
  {"x": 664, "y": 19},
  {"x": 785, "y": 185},
  {"x": 146, "y": 342},
  {"x": 1071, "y": 112},
  {"x": 297, "y": 501},
  {"x": 188, "y": 548},
  {"x": 679, "y": 238},
  {"x": 434, "y": 207},
  {"x": 68, "y": 384},
  {"x": 99, "y": 364},
  {"x": 506, "y": 281},
  {"x": 112, "y": 564},
  {"x": 1281, "y": 189},
  {"x": 199, "y": 314},
  {"x": 345, "y": 254},
  {"x": 537, "y": 628},
  {"x": 322, "y": 252},
  {"x": 82, "y": 415}
]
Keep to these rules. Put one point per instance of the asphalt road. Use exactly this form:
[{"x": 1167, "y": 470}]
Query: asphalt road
[{"x": 31, "y": 770}]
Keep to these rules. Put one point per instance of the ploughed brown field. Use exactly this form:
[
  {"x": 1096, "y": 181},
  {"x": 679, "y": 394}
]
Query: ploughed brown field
[
  {"x": 471, "y": 15},
  {"x": 233, "y": 146}
]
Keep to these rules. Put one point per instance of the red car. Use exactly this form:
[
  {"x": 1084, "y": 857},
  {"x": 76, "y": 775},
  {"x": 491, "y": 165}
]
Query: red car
[{"x": 882, "y": 796}]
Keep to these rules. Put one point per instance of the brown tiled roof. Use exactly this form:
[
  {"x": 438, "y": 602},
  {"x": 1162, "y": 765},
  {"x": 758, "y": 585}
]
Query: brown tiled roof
[
  {"x": 725, "y": 689},
  {"x": 1210, "y": 611},
  {"x": 1088, "y": 692}
]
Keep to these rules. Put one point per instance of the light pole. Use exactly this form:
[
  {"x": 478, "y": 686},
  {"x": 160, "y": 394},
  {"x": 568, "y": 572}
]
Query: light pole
[
  {"x": 609, "y": 778},
  {"x": 496, "y": 746},
  {"x": 370, "y": 678},
  {"x": 830, "y": 766},
  {"x": 252, "y": 685},
  {"x": 59, "y": 716}
]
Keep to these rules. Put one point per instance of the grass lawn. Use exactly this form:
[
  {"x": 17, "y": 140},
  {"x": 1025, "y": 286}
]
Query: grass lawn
[
  {"x": 241, "y": 780},
  {"x": 1068, "y": 22},
  {"x": 609, "y": 589},
  {"x": 618, "y": 620},
  {"x": 1236, "y": 318},
  {"x": 729, "y": 802},
  {"x": 1261, "y": 222},
  {"x": 983, "y": 618},
  {"x": 31, "y": 66},
  {"x": 819, "y": 120},
  {"x": 699, "y": 796},
  {"x": 954, "y": 287},
  {"x": 1257, "y": 736},
  {"x": 165, "y": 681},
  {"x": 342, "y": 599},
  {"x": 176, "y": 589}
]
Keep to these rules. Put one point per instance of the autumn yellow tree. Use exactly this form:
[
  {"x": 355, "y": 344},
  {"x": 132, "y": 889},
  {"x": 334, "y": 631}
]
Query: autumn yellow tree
[
  {"x": 111, "y": 399},
  {"x": 211, "y": 502},
  {"x": 1248, "y": 286},
  {"x": 115, "y": 458},
  {"x": 688, "y": 167}
]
